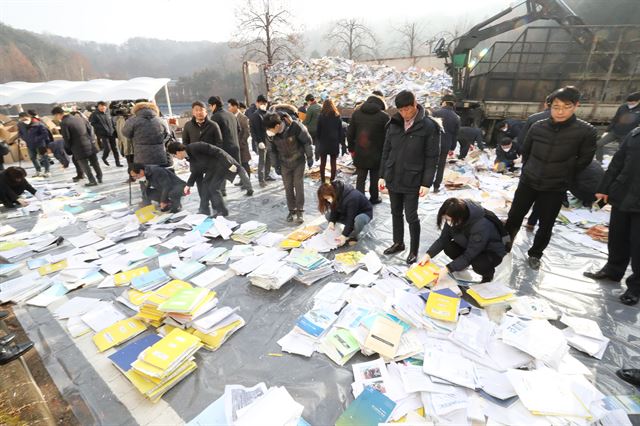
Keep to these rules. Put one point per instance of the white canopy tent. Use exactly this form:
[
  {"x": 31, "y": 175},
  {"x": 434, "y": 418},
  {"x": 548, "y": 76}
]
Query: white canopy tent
[{"x": 61, "y": 91}]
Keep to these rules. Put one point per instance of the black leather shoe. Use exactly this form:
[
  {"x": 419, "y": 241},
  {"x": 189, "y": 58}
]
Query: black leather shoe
[
  {"x": 269, "y": 179},
  {"x": 9, "y": 353},
  {"x": 630, "y": 375},
  {"x": 7, "y": 338},
  {"x": 412, "y": 258},
  {"x": 77, "y": 178},
  {"x": 599, "y": 275},
  {"x": 395, "y": 248},
  {"x": 375, "y": 201}
]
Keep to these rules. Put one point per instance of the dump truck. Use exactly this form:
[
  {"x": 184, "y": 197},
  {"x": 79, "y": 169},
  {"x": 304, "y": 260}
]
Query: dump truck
[{"x": 546, "y": 47}]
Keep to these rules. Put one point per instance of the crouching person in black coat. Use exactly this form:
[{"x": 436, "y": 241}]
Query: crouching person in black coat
[
  {"x": 468, "y": 237},
  {"x": 213, "y": 165},
  {"x": 163, "y": 186},
  {"x": 409, "y": 160},
  {"x": 13, "y": 182},
  {"x": 341, "y": 203},
  {"x": 506, "y": 155},
  {"x": 620, "y": 187}
]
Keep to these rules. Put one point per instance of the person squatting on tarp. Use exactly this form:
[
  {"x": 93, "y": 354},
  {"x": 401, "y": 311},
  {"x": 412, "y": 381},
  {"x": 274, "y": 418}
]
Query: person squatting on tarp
[
  {"x": 13, "y": 183},
  {"x": 471, "y": 235},
  {"x": 409, "y": 161},
  {"x": 341, "y": 203},
  {"x": 212, "y": 164},
  {"x": 506, "y": 155},
  {"x": 163, "y": 186}
]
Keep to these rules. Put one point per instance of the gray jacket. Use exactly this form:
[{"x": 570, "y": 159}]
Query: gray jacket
[{"x": 148, "y": 133}]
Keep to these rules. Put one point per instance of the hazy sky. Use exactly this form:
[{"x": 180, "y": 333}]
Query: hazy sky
[{"x": 114, "y": 21}]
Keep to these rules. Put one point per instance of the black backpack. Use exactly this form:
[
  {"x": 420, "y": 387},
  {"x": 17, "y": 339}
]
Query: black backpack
[{"x": 506, "y": 238}]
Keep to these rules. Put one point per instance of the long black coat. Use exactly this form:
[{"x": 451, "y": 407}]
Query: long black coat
[
  {"x": 622, "y": 179},
  {"x": 624, "y": 121},
  {"x": 366, "y": 133},
  {"x": 553, "y": 153},
  {"x": 205, "y": 158},
  {"x": 208, "y": 132},
  {"x": 349, "y": 204},
  {"x": 329, "y": 135},
  {"x": 101, "y": 122},
  {"x": 478, "y": 234},
  {"x": 165, "y": 181},
  {"x": 258, "y": 132},
  {"x": 9, "y": 193},
  {"x": 229, "y": 127},
  {"x": 451, "y": 124},
  {"x": 243, "y": 137},
  {"x": 409, "y": 159},
  {"x": 586, "y": 182},
  {"x": 76, "y": 132},
  {"x": 533, "y": 118}
]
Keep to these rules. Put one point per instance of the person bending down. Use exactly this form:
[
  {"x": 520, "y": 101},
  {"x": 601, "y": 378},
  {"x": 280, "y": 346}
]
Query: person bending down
[
  {"x": 468, "y": 237},
  {"x": 163, "y": 186},
  {"x": 340, "y": 202},
  {"x": 13, "y": 182}
]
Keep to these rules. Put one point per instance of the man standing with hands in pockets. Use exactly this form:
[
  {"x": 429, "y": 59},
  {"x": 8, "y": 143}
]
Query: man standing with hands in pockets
[{"x": 409, "y": 160}]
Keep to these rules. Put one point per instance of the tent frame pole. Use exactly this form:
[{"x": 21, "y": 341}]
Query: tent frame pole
[{"x": 166, "y": 94}]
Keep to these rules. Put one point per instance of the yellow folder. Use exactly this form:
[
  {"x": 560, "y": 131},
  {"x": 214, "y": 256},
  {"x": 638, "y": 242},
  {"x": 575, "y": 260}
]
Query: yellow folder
[
  {"x": 125, "y": 277},
  {"x": 441, "y": 307},
  {"x": 145, "y": 214},
  {"x": 118, "y": 333},
  {"x": 169, "y": 349},
  {"x": 52, "y": 267},
  {"x": 422, "y": 276}
]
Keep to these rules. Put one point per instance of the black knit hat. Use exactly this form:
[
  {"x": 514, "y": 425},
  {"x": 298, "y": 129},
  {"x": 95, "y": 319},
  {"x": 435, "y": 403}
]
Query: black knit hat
[{"x": 261, "y": 98}]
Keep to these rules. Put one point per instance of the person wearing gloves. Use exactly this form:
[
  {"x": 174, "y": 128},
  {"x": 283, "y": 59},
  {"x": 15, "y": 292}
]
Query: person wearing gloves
[
  {"x": 341, "y": 203},
  {"x": 212, "y": 165},
  {"x": 13, "y": 183},
  {"x": 409, "y": 161},
  {"x": 163, "y": 186},
  {"x": 329, "y": 137},
  {"x": 259, "y": 140},
  {"x": 468, "y": 237},
  {"x": 289, "y": 144}
]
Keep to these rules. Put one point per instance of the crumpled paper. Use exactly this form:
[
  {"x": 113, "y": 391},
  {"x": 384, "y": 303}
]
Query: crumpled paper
[{"x": 347, "y": 82}]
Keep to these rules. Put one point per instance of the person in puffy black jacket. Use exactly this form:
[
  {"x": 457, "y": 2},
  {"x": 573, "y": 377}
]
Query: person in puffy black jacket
[
  {"x": 162, "y": 185},
  {"x": 329, "y": 137},
  {"x": 448, "y": 139},
  {"x": 467, "y": 137},
  {"x": 259, "y": 140},
  {"x": 148, "y": 133},
  {"x": 468, "y": 238},
  {"x": 103, "y": 126},
  {"x": 365, "y": 138},
  {"x": 409, "y": 161},
  {"x": 621, "y": 188},
  {"x": 555, "y": 150},
  {"x": 341, "y": 203},
  {"x": 506, "y": 155},
  {"x": 289, "y": 145},
  {"x": 626, "y": 119},
  {"x": 13, "y": 182},
  {"x": 210, "y": 165}
]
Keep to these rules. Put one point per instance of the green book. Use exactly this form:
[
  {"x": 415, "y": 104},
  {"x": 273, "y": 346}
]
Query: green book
[
  {"x": 368, "y": 409},
  {"x": 184, "y": 301},
  {"x": 340, "y": 345}
]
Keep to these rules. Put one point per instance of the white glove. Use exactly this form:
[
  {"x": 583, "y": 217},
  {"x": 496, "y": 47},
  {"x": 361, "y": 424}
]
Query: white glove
[
  {"x": 261, "y": 145},
  {"x": 39, "y": 195},
  {"x": 233, "y": 169}
]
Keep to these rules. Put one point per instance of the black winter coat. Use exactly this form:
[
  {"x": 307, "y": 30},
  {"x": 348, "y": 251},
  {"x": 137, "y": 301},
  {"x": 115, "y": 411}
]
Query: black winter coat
[
  {"x": 471, "y": 135},
  {"x": 9, "y": 193},
  {"x": 621, "y": 181},
  {"x": 101, "y": 122},
  {"x": 349, "y": 204},
  {"x": 477, "y": 235},
  {"x": 164, "y": 180},
  {"x": 205, "y": 158},
  {"x": 409, "y": 159},
  {"x": 76, "y": 132},
  {"x": 148, "y": 133},
  {"x": 451, "y": 124},
  {"x": 553, "y": 153},
  {"x": 366, "y": 133},
  {"x": 329, "y": 135},
  {"x": 624, "y": 121},
  {"x": 228, "y": 124},
  {"x": 243, "y": 138},
  {"x": 208, "y": 132},
  {"x": 290, "y": 147},
  {"x": 586, "y": 183},
  {"x": 37, "y": 135},
  {"x": 514, "y": 127},
  {"x": 258, "y": 132},
  {"x": 533, "y": 118},
  {"x": 506, "y": 157}
]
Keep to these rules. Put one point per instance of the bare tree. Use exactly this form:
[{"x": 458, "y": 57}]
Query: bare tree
[
  {"x": 411, "y": 38},
  {"x": 353, "y": 38},
  {"x": 266, "y": 31}
]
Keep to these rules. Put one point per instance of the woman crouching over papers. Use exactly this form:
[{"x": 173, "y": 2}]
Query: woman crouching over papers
[
  {"x": 342, "y": 203},
  {"x": 471, "y": 235}
]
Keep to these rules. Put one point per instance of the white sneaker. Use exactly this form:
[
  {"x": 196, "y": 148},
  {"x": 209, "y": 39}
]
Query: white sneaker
[
  {"x": 38, "y": 174},
  {"x": 46, "y": 174}
]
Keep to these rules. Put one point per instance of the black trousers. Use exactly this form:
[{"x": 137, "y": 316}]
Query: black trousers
[
  {"x": 212, "y": 184},
  {"x": 445, "y": 146},
  {"x": 203, "y": 194},
  {"x": 175, "y": 195},
  {"x": 374, "y": 176},
  {"x": 86, "y": 170},
  {"x": 483, "y": 264},
  {"x": 323, "y": 166},
  {"x": 548, "y": 204},
  {"x": 109, "y": 142},
  {"x": 464, "y": 149},
  {"x": 624, "y": 246},
  {"x": 57, "y": 147},
  {"x": 408, "y": 203},
  {"x": 79, "y": 172}
]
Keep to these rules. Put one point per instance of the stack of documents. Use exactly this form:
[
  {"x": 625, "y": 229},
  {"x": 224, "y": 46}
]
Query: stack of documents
[
  {"x": 148, "y": 309},
  {"x": 296, "y": 238},
  {"x": 150, "y": 280},
  {"x": 188, "y": 304},
  {"x": 490, "y": 293},
  {"x": 348, "y": 262},
  {"x": 118, "y": 333},
  {"x": 323, "y": 242},
  {"x": 339, "y": 345},
  {"x": 165, "y": 363},
  {"x": 124, "y": 278},
  {"x": 216, "y": 326},
  {"x": 249, "y": 231},
  {"x": 312, "y": 266},
  {"x": 186, "y": 270},
  {"x": 251, "y": 262},
  {"x": 585, "y": 335},
  {"x": 272, "y": 276},
  {"x": 216, "y": 256},
  {"x": 422, "y": 276}
]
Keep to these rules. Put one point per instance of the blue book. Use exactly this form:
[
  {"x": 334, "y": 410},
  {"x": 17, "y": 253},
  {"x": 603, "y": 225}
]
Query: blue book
[
  {"x": 187, "y": 270},
  {"x": 150, "y": 280},
  {"x": 316, "y": 322},
  {"x": 368, "y": 409},
  {"x": 204, "y": 226},
  {"x": 128, "y": 354}
]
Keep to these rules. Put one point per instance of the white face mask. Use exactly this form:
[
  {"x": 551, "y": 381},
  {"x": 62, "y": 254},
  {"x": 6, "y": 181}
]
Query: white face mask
[
  {"x": 270, "y": 133},
  {"x": 506, "y": 148},
  {"x": 449, "y": 222},
  {"x": 262, "y": 107},
  {"x": 27, "y": 122},
  {"x": 632, "y": 105}
]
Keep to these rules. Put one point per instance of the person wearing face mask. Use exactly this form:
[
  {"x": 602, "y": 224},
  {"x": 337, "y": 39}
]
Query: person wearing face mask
[
  {"x": 555, "y": 150},
  {"x": 237, "y": 109},
  {"x": 469, "y": 237},
  {"x": 259, "y": 139},
  {"x": 289, "y": 145},
  {"x": 163, "y": 186},
  {"x": 341, "y": 203},
  {"x": 626, "y": 119},
  {"x": 408, "y": 166},
  {"x": 37, "y": 137},
  {"x": 506, "y": 155}
]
